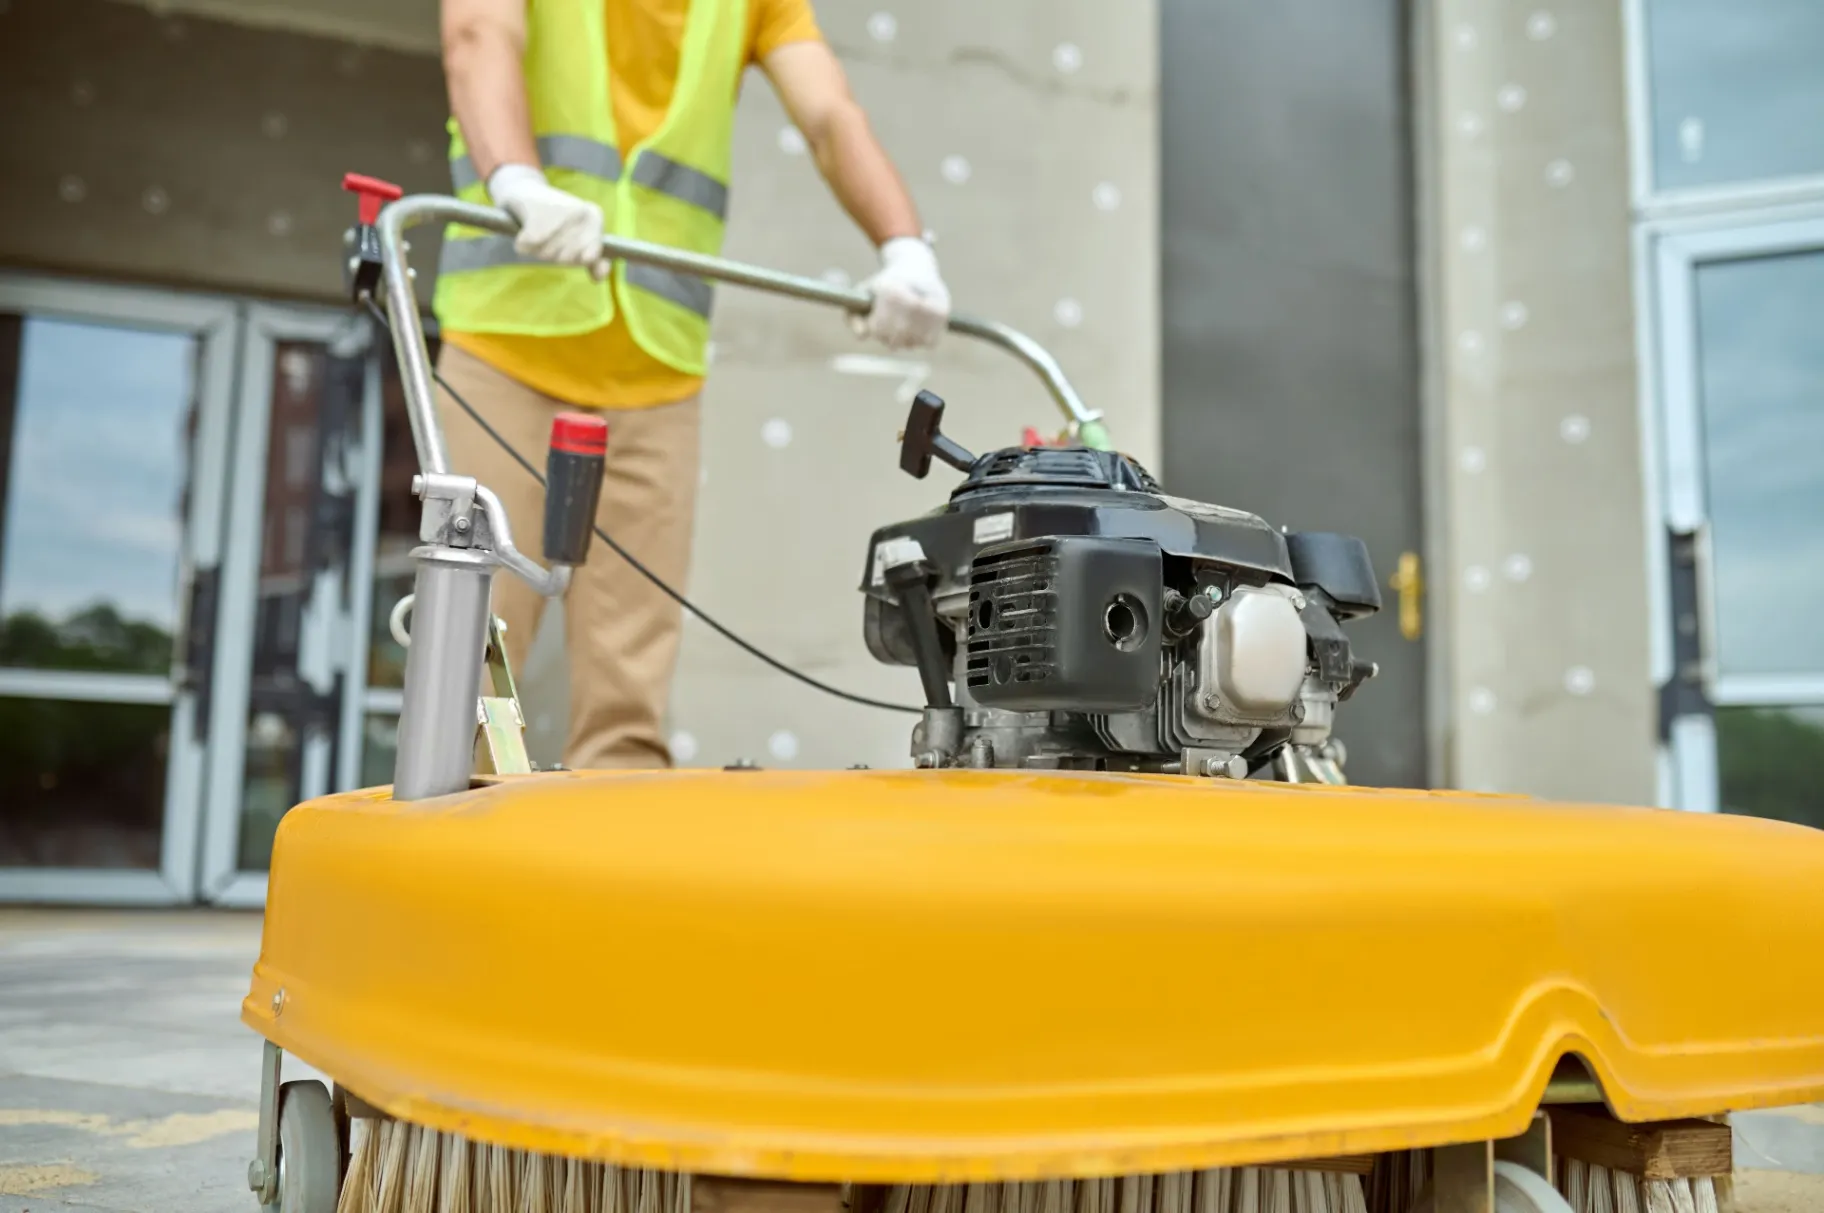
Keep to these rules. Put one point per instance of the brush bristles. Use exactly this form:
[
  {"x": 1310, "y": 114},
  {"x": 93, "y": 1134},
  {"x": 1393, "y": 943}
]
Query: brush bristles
[
  {"x": 402, "y": 1168},
  {"x": 1593, "y": 1189}
]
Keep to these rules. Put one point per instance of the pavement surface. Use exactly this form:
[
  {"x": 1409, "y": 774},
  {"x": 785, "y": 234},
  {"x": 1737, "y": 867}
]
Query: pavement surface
[
  {"x": 129, "y": 1085},
  {"x": 127, "y": 1082}
]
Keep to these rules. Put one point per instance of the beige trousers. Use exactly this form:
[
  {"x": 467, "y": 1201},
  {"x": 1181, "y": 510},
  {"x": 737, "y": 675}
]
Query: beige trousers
[{"x": 621, "y": 631}]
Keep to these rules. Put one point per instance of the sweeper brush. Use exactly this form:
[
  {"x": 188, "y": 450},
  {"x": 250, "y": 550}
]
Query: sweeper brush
[{"x": 1122, "y": 941}]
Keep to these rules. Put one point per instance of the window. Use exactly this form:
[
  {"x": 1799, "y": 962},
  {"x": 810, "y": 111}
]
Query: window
[{"x": 1736, "y": 91}]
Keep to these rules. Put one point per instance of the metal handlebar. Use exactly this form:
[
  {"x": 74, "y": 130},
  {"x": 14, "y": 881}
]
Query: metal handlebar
[{"x": 415, "y": 361}]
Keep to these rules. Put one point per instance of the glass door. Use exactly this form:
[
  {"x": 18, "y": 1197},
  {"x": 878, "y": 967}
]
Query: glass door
[
  {"x": 1740, "y": 319},
  {"x": 113, "y": 441},
  {"x": 305, "y": 454}
]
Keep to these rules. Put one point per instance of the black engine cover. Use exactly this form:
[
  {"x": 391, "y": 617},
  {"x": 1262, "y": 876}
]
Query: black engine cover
[
  {"x": 1045, "y": 492},
  {"x": 1070, "y": 623}
]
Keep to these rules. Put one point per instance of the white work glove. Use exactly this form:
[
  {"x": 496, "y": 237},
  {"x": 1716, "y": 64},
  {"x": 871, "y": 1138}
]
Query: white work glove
[
  {"x": 911, "y": 302},
  {"x": 553, "y": 225}
]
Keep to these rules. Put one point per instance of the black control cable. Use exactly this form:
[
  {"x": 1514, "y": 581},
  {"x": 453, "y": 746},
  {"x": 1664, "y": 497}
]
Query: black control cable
[{"x": 745, "y": 646}]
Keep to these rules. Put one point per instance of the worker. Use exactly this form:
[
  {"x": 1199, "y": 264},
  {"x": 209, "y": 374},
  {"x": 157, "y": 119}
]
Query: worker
[{"x": 580, "y": 117}]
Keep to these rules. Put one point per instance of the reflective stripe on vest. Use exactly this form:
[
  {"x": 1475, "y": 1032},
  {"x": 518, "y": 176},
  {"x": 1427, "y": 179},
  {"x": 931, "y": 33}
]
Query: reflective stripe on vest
[
  {"x": 492, "y": 252},
  {"x": 685, "y": 290},
  {"x": 575, "y": 152},
  {"x": 665, "y": 175}
]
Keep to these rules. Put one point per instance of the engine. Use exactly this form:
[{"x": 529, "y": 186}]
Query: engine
[{"x": 1063, "y": 612}]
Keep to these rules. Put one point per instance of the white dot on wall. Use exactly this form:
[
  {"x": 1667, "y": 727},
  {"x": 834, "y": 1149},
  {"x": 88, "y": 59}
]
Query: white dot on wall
[
  {"x": 836, "y": 277},
  {"x": 279, "y": 223},
  {"x": 1473, "y": 239},
  {"x": 1511, "y": 98},
  {"x": 683, "y": 746},
  {"x": 1574, "y": 429},
  {"x": 1106, "y": 196},
  {"x": 883, "y": 27},
  {"x": 702, "y": 477},
  {"x": 1470, "y": 341},
  {"x": 1470, "y": 124},
  {"x": 782, "y": 745},
  {"x": 1541, "y": 25},
  {"x": 1580, "y": 680},
  {"x": 1518, "y": 567},
  {"x": 1482, "y": 701},
  {"x": 777, "y": 433},
  {"x": 273, "y": 125},
  {"x": 709, "y": 353},
  {"x": 1513, "y": 315},
  {"x": 1067, "y": 57},
  {"x": 156, "y": 201},
  {"x": 1560, "y": 173},
  {"x": 1476, "y": 578},
  {"x": 1473, "y": 459},
  {"x": 1466, "y": 37},
  {"x": 955, "y": 169},
  {"x": 1068, "y": 312},
  {"x": 791, "y": 141},
  {"x": 72, "y": 189},
  {"x": 82, "y": 92}
]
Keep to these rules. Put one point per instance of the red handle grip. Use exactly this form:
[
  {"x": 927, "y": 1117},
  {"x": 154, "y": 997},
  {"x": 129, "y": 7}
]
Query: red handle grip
[
  {"x": 373, "y": 192},
  {"x": 579, "y": 434}
]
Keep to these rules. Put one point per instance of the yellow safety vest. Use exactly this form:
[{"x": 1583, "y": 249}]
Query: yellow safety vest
[{"x": 675, "y": 192}]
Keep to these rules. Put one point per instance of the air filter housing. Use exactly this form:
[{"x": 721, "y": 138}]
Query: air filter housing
[{"x": 1068, "y": 622}]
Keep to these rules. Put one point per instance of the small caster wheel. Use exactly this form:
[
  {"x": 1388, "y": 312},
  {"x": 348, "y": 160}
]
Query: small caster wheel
[
  {"x": 1519, "y": 1189},
  {"x": 309, "y": 1150}
]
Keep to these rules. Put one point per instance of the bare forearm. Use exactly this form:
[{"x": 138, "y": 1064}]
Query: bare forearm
[
  {"x": 862, "y": 177},
  {"x": 483, "y": 41}
]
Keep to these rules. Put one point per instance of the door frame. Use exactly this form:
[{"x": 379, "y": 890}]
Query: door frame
[
  {"x": 213, "y": 322},
  {"x": 328, "y": 640},
  {"x": 1669, "y": 253}
]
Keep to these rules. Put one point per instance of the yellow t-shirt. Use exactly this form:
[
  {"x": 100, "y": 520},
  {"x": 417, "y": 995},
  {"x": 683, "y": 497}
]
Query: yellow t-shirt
[{"x": 606, "y": 368}]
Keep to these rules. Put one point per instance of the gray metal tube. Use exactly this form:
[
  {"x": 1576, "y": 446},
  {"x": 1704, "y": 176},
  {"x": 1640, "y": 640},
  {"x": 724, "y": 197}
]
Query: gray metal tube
[
  {"x": 408, "y": 330},
  {"x": 415, "y": 362},
  {"x": 443, "y": 664},
  {"x": 850, "y": 299}
]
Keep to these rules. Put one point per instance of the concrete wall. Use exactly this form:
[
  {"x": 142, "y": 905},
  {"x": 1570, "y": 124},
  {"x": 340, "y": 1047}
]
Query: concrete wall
[
  {"x": 170, "y": 148},
  {"x": 1538, "y": 535}
]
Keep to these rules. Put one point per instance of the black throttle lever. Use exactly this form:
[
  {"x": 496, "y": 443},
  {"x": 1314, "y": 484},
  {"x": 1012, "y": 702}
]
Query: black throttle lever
[{"x": 922, "y": 439}]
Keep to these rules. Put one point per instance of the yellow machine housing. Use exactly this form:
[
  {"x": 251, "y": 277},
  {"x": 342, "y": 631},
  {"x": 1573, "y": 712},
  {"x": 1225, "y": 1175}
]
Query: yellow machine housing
[{"x": 978, "y": 975}]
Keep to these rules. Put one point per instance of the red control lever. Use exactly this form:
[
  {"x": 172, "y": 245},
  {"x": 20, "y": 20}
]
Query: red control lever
[{"x": 373, "y": 192}]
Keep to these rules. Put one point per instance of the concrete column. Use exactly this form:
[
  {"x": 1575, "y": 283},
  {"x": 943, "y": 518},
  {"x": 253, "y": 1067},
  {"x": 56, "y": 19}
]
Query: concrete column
[{"x": 1537, "y": 511}]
